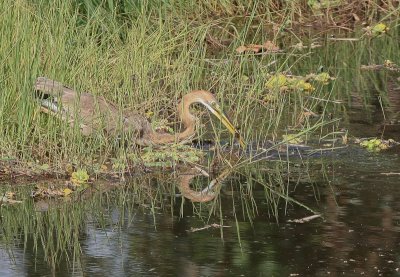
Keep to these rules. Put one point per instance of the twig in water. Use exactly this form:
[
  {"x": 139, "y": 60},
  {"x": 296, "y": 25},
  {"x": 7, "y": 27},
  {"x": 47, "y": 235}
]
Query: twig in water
[
  {"x": 305, "y": 219},
  {"x": 214, "y": 225}
]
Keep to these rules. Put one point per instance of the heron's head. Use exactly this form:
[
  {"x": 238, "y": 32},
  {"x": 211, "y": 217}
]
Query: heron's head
[{"x": 210, "y": 102}]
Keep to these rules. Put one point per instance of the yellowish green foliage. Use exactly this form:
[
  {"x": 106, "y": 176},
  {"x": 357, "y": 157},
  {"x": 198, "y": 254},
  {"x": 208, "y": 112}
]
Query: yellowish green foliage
[
  {"x": 170, "y": 155},
  {"x": 322, "y": 77},
  {"x": 301, "y": 85},
  {"x": 292, "y": 138},
  {"x": 390, "y": 65},
  {"x": 379, "y": 29},
  {"x": 291, "y": 83},
  {"x": 283, "y": 83},
  {"x": 67, "y": 191},
  {"x": 276, "y": 81},
  {"x": 376, "y": 145},
  {"x": 79, "y": 177}
]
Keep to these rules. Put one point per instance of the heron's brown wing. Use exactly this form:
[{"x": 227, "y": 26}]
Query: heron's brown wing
[
  {"x": 91, "y": 110},
  {"x": 83, "y": 109},
  {"x": 94, "y": 113},
  {"x": 51, "y": 87},
  {"x": 136, "y": 128},
  {"x": 54, "y": 95}
]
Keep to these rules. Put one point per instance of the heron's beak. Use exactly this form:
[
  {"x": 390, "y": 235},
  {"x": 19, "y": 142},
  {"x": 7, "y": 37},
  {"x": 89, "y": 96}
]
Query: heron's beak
[{"x": 217, "y": 111}]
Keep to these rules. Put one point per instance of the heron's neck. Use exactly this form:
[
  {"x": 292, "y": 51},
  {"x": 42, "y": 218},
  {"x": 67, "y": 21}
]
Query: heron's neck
[{"x": 188, "y": 121}]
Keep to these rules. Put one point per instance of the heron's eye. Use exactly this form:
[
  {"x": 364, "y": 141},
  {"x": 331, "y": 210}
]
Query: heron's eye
[{"x": 213, "y": 103}]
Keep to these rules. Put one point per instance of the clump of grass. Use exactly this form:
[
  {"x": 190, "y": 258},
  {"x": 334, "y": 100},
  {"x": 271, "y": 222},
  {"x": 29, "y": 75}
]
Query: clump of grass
[{"x": 143, "y": 61}]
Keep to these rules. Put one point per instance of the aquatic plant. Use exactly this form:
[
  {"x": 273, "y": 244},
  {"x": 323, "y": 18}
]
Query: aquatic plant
[
  {"x": 377, "y": 145},
  {"x": 79, "y": 177}
]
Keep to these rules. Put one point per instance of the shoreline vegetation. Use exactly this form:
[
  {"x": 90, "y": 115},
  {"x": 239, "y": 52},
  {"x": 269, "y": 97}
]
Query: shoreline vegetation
[
  {"x": 143, "y": 56},
  {"x": 310, "y": 77}
]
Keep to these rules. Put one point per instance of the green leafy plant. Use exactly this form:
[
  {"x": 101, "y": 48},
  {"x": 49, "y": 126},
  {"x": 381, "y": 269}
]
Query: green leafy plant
[
  {"x": 377, "y": 145},
  {"x": 79, "y": 177},
  {"x": 170, "y": 155}
]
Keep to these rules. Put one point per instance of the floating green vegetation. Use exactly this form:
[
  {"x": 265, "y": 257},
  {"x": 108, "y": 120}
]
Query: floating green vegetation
[
  {"x": 377, "y": 145},
  {"x": 169, "y": 156}
]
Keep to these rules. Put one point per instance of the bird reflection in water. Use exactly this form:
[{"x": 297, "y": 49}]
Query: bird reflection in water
[{"x": 207, "y": 194}]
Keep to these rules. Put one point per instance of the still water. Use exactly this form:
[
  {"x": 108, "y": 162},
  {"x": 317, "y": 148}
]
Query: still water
[{"x": 359, "y": 233}]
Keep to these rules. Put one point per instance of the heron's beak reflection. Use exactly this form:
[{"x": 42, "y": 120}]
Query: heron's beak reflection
[{"x": 216, "y": 110}]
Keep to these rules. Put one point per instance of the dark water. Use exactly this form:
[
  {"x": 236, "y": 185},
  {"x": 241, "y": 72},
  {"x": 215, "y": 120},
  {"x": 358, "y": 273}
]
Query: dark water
[{"x": 358, "y": 235}]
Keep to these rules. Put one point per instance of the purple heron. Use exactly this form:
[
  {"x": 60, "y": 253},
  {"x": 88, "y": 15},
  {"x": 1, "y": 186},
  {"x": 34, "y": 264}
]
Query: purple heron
[{"x": 93, "y": 113}]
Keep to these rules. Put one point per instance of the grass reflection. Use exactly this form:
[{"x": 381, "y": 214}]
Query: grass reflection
[{"x": 55, "y": 228}]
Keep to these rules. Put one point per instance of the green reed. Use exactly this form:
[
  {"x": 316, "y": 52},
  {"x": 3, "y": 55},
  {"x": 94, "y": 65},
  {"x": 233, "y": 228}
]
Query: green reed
[{"x": 144, "y": 59}]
